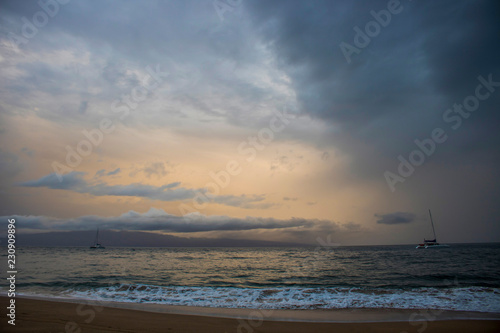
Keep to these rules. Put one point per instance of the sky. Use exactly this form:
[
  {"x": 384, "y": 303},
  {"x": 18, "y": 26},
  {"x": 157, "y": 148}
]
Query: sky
[{"x": 270, "y": 121}]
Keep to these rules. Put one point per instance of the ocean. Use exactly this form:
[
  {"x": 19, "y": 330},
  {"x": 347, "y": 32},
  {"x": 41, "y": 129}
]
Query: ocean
[{"x": 462, "y": 277}]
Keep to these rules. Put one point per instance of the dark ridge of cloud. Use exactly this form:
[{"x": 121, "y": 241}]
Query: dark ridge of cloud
[
  {"x": 75, "y": 182},
  {"x": 395, "y": 218},
  {"x": 100, "y": 173},
  {"x": 114, "y": 172},
  {"x": 103, "y": 172},
  {"x": 159, "y": 220},
  {"x": 136, "y": 239},
  {"x": 70, "y": 181},
  {"x": 243, "y": 201}
]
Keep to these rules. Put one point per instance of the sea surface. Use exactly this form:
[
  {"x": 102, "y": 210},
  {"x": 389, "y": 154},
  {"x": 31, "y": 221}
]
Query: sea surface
[{"x": 462, "y": 277}]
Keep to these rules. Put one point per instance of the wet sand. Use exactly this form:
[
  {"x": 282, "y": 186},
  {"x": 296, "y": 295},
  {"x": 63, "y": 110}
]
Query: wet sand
[{"x": 42, "y": 315}]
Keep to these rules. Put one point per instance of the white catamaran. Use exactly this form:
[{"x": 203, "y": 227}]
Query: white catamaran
[
  {"x": 97, "y": 245},
  {"x": 431, "y": 243}
]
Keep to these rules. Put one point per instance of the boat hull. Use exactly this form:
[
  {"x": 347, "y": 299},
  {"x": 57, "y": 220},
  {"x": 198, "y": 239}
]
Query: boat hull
[{"x": 439, "y": 246}]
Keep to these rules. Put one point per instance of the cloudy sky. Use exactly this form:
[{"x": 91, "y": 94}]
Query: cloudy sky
[{"x": 266, "y": 120}]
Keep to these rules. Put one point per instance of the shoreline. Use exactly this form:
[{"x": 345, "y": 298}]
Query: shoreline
[
  {"x": 72, "y": 315},
  {"x": 350, "y": 315}
]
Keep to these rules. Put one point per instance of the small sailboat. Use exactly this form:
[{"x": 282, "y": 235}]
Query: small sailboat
[
  {"x": 431, "y": 243},
  {"x": 97, "y": 245}
]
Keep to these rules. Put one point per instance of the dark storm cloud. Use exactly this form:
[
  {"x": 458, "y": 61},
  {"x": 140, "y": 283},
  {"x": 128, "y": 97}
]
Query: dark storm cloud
[
  {"x": 395, "y": 218},
  {"x": 157, "y": 219},
  {"x": 75, "y": 182},
  {"x": 396, "y": 89}
]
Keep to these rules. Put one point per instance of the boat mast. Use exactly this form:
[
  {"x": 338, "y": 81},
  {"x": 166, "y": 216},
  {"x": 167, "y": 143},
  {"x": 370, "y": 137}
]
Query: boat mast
[
  {"x": 432, "y": 223},
  {"x": 97, "y": 236}
]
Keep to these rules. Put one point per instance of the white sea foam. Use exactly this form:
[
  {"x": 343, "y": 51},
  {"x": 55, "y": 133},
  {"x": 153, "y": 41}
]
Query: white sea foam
[{"x": 461, "y": 299}]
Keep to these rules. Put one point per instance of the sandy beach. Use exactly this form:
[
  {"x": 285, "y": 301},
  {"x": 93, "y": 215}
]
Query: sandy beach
[{"x": 40, "y": 315}]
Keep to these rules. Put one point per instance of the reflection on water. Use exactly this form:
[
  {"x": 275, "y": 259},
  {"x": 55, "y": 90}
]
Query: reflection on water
[{"x": 373, "y": 271}]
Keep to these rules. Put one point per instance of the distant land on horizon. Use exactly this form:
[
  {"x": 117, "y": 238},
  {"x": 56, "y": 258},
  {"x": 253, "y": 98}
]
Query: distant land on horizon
[{"x": 111, "y": 238}]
